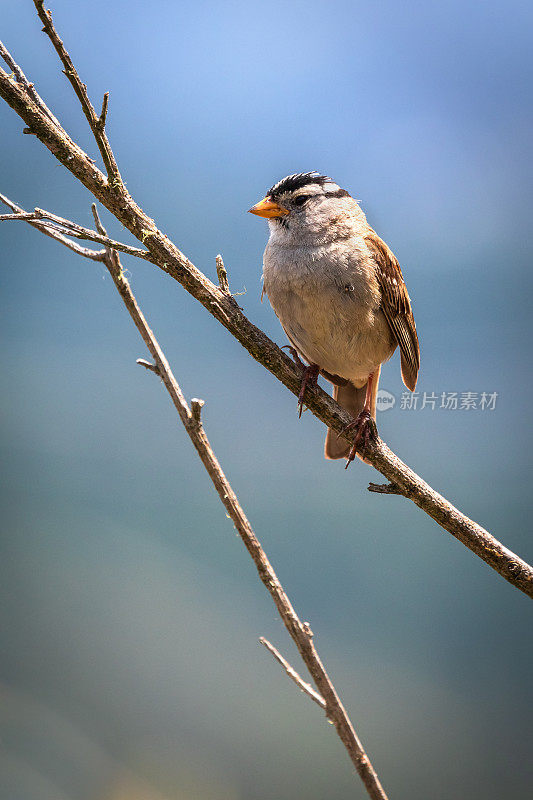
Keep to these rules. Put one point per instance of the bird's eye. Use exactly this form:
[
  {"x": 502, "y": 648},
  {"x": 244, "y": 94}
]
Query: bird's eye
[{"x": 300, "y": 200}]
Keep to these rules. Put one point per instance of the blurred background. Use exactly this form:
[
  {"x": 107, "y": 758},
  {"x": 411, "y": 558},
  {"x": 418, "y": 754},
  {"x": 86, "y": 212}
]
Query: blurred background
[{"x": 130, "y": 612}]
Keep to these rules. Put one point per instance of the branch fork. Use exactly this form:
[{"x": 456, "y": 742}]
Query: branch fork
[{"x": 300, "y": 631}]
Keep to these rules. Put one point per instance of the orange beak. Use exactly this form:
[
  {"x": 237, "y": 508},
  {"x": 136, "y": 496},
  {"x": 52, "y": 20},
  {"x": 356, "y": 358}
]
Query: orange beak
[{"x": 268, "y": 208}]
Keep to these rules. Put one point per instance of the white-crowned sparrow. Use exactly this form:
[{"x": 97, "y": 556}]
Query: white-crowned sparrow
[{"x": 339, "y": 294}]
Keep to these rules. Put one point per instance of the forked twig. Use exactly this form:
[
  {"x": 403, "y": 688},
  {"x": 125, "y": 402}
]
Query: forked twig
[
  {"x": 51, "y": 222},
  {"x": 48, "y": 230},
  {"x": 293, "y": 675},
  {"x": 299, "y": 631}
]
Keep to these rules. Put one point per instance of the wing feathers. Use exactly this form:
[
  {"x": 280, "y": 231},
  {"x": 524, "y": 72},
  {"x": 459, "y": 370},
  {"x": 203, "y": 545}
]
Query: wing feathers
[{"x": 396, "y": 306}]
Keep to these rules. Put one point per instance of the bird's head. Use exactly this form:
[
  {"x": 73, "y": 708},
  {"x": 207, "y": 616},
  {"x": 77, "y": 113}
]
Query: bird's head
[{"x": 305, "y": 203}]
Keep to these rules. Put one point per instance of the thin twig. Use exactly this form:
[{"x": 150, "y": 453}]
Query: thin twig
[
  {"x": 222, "y": 306},
  {"x": 25, "y": 217},
  {"x": 300, "y": 632},
  {"x": 97, "y": 124},
  {"x": 100, "y": 122},
  {"x": 29, "y": 87},
  {"x": 48, "y": 230},
  {"x": 77, "y": 231},
  {"x": 147, "y": 365},
  {"x": 384, "y": 488},
  {"x": 192, "y": 423},
  {"x": 196, "y": 409},
  {"x": 304, "y": 642},
  {"x": 293, "y": 675}
]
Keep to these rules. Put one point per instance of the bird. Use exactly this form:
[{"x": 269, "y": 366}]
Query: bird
[{"x": 340, "y": 296}]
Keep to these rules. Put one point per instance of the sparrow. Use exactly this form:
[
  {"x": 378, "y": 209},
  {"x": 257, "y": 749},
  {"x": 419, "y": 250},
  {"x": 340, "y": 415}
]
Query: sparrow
[{"x": 339, "y": 294}]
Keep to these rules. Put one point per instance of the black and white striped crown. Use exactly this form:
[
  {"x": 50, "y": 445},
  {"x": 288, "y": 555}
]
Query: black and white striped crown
[{"x": 297, "y": 181}]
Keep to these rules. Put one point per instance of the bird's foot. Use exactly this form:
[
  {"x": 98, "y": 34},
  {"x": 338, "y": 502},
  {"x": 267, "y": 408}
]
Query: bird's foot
[
  {"x": 309, "y": 379},
  {"x": 365, "y": 432}
]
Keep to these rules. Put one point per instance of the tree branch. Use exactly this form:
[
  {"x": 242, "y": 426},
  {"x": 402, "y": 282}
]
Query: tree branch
[
  {"x": 73, "y": 229},
  {"x": 168, "y": 257},
  {"x": 300, "y": 632},
  {"x": 384, "y": 488},
  {"x": 48, "y": 230},
  {"x": 293, "y": 675},
  {"x": 70, "y": 228},
  {"x": 97, "y": 124},
  {"x": 29, "y": 87}
]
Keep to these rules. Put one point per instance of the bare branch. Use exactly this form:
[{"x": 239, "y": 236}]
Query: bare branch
[
  {"x": 100, "y": 122},
  {"x": 147, "y": 365},
  {"x": 25, "y": 217},
  {"x": 97, "y": 221},
  {"x": 223, "y": 307},
  {"x": 77, "y": 231},
  {"x": 95, "y": 255},
  {"x": 293, "y": 675},
  {"x": 29, "y": 87},
  {"x": 299, "y": 631},
  {"x": 385, "y": 488},
  {"x": 97, "y": 124}
]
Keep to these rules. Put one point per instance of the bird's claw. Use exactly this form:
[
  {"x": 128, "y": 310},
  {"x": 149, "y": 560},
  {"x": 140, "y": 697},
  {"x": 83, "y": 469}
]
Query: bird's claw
[
  {"x": 309, "y": 378},
  {"x": 365, "y": 432},
  {"x": 294, "y": 353}
]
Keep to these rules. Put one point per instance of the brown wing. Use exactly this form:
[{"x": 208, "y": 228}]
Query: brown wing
[{"x": 396, "y": 306}]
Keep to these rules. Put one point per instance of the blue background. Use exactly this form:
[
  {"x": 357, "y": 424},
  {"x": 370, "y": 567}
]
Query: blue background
[{"x": 130, "y": 611}]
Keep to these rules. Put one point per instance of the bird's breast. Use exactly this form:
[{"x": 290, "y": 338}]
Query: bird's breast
[{"x": 327, "y": 299}]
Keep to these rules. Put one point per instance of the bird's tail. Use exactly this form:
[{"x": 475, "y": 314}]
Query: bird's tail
[{"x": 353, "y": 400}]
